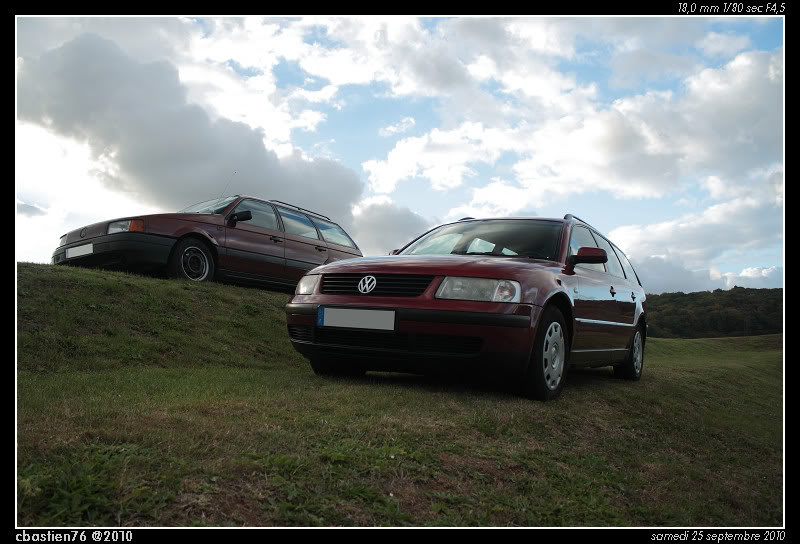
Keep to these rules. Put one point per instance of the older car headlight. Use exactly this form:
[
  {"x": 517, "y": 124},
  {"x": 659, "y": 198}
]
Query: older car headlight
[
  {"x": 479, "y": 289},
  {"x": 129, "y": 225},
  {"x": 307, "y": 284}
]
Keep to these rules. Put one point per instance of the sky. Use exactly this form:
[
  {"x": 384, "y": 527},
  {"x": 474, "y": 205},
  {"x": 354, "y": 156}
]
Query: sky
[{"x": 664, "y": 133}]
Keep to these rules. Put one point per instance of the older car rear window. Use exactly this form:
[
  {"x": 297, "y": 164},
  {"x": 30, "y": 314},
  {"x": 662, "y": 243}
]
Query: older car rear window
[
  {"x": 297, "y": 223},
  {"x": 497, "y": 237},
  {"x": 333, "y": 233}
]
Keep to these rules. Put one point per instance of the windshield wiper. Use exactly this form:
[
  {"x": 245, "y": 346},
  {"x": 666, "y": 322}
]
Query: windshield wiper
[{"x": 480, "y": 253}]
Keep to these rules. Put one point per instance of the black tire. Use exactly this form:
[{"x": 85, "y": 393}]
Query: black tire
[
  {"x": 632, "y": 368},
  {"x": 548, "y": 363},
  {"x": 322, "y": 366},
  {"x": 192, "y": 260}
]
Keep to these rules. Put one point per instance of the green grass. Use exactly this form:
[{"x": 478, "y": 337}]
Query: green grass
[{"x": 158, "y": 402}]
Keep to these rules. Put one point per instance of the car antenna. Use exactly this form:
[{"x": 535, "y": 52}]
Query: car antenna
[{"x": 226, "y": 187}]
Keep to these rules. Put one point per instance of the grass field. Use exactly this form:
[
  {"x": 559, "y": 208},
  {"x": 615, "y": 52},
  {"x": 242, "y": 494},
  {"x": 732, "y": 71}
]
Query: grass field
[{"x": 148, "y": 402}]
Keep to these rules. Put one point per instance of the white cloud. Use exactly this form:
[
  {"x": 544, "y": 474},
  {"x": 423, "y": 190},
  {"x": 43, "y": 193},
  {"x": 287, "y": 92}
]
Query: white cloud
[
  {"x": 400, "y": 127},
  {"x": 747, "y": 222},
  {"x": 55, "y": 174},
  {"x": 382, "y": 226},
  {"x": 717, "y": 44},
  {"x": 149, "y": 140},
  {"x": 726, "y": 125},
  {"x": 668, "y": 275}
]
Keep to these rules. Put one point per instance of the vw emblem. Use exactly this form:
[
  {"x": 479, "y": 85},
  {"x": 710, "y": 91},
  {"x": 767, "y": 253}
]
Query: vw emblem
[{"x": 367, "y": 284}]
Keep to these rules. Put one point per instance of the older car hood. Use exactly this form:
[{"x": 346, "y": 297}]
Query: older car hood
[
  {"x": 440, "y": 265},
  {"x": 101, "y": 229}
]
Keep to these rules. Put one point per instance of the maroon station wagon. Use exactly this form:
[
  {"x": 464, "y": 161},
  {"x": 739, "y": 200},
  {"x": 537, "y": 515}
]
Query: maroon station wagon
[
  {"x": 524, "y": 298},
  {"x": 239, "y": 238}
]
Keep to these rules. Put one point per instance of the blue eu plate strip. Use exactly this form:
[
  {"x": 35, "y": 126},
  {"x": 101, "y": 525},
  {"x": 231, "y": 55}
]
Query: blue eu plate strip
[{"x": 320, "y": 316}]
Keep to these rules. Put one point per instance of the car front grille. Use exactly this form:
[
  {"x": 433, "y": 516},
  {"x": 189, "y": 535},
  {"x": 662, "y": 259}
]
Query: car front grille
[
  {"x": 388, "y": 341},
  {"x": 300, "y": 333},
  {"x": 386, "y": 285}
]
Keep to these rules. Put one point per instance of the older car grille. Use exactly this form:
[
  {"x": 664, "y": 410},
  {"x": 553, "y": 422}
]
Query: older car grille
[
  {"x": 386, "y": 285},
  {"x": 388, "y": 341}
]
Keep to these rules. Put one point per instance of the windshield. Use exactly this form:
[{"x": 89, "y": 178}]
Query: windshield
[
  {"x": 210, "y": 206},
  {"x": 501, "y": 238}
]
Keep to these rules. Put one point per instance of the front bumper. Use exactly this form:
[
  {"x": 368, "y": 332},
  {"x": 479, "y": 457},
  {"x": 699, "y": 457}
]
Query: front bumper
[
  {"x": 124, "y": 249},
  {"x": 424, "y": 340}
]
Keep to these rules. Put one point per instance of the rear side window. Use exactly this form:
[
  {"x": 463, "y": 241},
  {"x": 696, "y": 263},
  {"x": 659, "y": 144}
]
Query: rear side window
[
  {"x": 626, "y": 265},
  {"x": 297, "y": 223},
  {"x": 613, "y": 266},
  {"x": 333, "y": 233},
  {"x": 263, "y": 214},
  {"x": 581, "y": 237}
]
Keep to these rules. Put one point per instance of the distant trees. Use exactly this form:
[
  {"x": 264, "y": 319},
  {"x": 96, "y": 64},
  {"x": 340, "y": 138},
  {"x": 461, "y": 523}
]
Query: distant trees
[{"x": 737, "y": 312}]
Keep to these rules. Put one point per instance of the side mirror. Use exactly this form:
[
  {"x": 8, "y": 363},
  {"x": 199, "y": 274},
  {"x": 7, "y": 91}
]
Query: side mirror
[
  {"x": 394, "y": 252},
  {"x": 245, "y": 215},
  {"x": 589, "y": 255}
]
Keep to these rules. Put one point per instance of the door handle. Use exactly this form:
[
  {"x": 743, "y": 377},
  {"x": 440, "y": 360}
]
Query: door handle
[
  {"x": 275, "y": 239},
  {"x": 320, "y": 248},
  {"x": 612, "y": 291},
  {"x": 633, "y": 296}
]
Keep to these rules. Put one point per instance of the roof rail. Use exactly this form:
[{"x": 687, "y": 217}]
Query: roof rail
[
  {"x": 465, "y": 218},
  {"x": 299, "y": 208},
  {"x": 570, "y": 216}
]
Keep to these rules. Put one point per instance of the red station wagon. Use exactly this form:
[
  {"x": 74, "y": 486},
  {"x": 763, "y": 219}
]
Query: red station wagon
[
  {"x": 238, "y": 238},
  {"x": 521, "y": 297}
]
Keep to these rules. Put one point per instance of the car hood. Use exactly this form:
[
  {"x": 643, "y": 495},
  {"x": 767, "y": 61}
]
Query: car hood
[
  {"x": 100, "y": 229},
  {"x": 441, "y": 265}
]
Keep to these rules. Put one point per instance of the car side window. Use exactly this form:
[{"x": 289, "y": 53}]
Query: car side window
[
  {"x": 613, "y": 266},
  {"x": 581, "y": 237},
  {"x": 297, "y": 223},
  {"x": 333, "y": 233},
  {"x": 263, "y": 214},
  {"x": 626, "y": 265}
]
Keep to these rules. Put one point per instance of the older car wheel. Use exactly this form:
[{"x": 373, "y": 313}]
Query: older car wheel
[
  {"x": 192, "y": 260},
  {"x": 631, "y": 369},
  {"x": 323, "y": 366},
  {"x": 547, "y": 368}
]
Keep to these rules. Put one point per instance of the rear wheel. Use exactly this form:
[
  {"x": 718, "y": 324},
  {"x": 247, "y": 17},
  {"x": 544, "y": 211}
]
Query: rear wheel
[
  {"x": 324, "y": 366},
  {"x": 631, "y": 369},
  {"x": 547, "y": 367},
  {"x": 192, "y": 260}
]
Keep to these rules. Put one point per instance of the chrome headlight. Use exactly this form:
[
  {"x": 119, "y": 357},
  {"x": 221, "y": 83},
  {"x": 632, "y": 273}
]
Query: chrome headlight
[
  {"x": 479, "y": 289},
  {"x": 307, "y": 284}
]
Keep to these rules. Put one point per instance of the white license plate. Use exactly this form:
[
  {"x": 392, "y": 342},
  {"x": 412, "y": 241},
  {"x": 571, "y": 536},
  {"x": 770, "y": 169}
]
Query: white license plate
[
  {"x": 78, "y": 251},
  {"x": 356, "y": 319}
]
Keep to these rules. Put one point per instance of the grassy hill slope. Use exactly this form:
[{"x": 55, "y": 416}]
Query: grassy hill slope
[{"x": 144, "y": 401}]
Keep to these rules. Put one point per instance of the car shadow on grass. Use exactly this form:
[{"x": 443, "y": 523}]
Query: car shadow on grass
[{"x": 439, "y": 383}]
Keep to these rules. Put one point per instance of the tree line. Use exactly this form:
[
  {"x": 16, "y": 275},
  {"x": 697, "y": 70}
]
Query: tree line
[{"x": 706, "y": 314}]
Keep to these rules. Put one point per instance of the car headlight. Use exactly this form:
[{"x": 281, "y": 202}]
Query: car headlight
[
  {"x": 129, "y": 225},
  {"x": 479, "y": 289},
  {"x": 307, "y": 284}
]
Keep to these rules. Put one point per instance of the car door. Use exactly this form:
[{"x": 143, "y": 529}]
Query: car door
[
  {"x": 625, "y": 305},
  {"x": 304, "y": 247},
  {"x": 637, "y": 295},
  {"x": 595, "y": 308},
  {"x": 254, "y": 249}
]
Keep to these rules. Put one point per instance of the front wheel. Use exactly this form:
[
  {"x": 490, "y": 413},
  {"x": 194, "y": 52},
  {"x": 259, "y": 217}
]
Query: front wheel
[
  {"x": 547, "y": 367},
  {"x": 631, "y": 369},
  {"x": 192, "y": 260}
]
